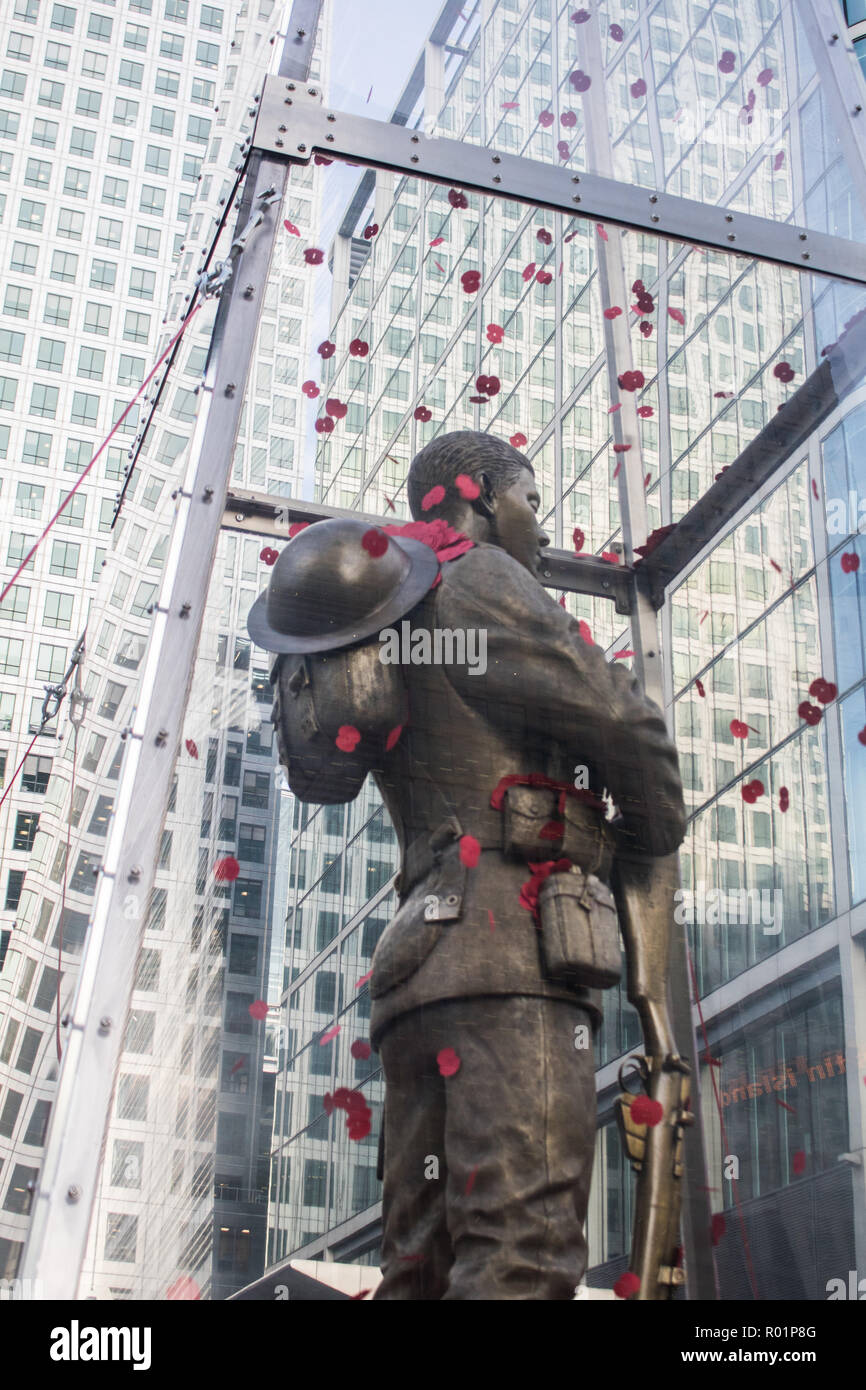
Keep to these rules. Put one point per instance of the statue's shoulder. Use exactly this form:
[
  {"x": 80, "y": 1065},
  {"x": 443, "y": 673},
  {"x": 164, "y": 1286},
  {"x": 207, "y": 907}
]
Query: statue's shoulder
[{"x": 489, "y": 572}]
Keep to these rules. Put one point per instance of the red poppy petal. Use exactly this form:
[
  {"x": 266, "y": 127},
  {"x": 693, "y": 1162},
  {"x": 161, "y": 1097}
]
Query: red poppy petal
[
  {"x": 330, "y": 1035},
  {"x": 613, "y": 312},
  {"x": 850, "y": 562},
  {"x": 728, "y": 61},
  {"x": 765, "y": 77},
  {"x": 432, "y": 498},
  {"x": 375, "y": 542},
  {"x": 258, "y": 1009},
  {"x": 580, "y": 81},
  {"x": 798, "y": 1162},
  {"x": 360, "y": 1049},
  {"x": 699, "y": 686},
  {"x": 291, "y": 228},
  {"x": 677, "y": 315},
  {"x": 600, "y": 229},
  {"x": 466, "y": 486},
  {"x": 226, "y": 870},
  {"x": 623, "y": 655},
  {"x": 296, "y": 528},
  {"x": 739, "y": 729},
  {"x": 310, "y": 389},
  {"x": 191, "y": 748},
  {"x": 546, "y": 119},
  {"x": 393, "y": 738},
  {"x": 621, "y": 448},
  {"x": 611, "y": 557},
  {"x": 811, "y": 713},
  {"x": 638, "y": 88},
  {"x": 470, "y": 851},
  {"x": 626, "y": 1285},
  {"x": 544, "y": 277},
  {"x": 313, "y": 256},
  {"x": 517, "y": 441},
  {"x": 646, "y": 1111},
  {"x": 778, "y": 161},
  {"x": 579, "y": 539},
  {"x": 717, "y": 1228},
  {"x": 447, "y": 1061},
  {"x": 585, "y": 631},
  {"x": 347, "y": 738},
  {"x": 269, "y": 556}
]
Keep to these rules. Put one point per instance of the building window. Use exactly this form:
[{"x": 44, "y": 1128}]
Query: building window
[
  {"x": 64, "y": 266},
  {"x": 82, "y": 142},
  {"x": 126, "y": 1164},
  {"x": 51, "y": 94},
  {"x": 171, "y": 46},
  {"x": 166, "y": 84},
  {"x": 11, "y": 346},
  {"x": 157, "y": 160},
  {"x": 63, "y": 18},
  {"x": 76, "y": 183},
  {"x": 88, "y": 103},
  {"x": 35, "y": 774},
  {"x": 132, "y": 1097},
  {"x": 103, "y": 275},
  {"x": 37, "y": 173},
  {"x": 43, "y": 401},
  {"x": 251, "y": 843},
  {"x": 203, "y": 91},
  {"x": 315, "y": 1181},
  {"x": 198, "y": 130},
  {"x": 51, "y": 352},
  {"x": 24, "y": 257},
  {"x": 108, "y": 232},
  {"x": 243, "y": 954},
  {"x": 57, "y": 55},
  {"x": 147, "y": 241},
  {"x": 120, "y": 151},
  {"x": 70, "y": 224},
  {"x": 17, "y": 302},
  {"x": 26, "y": 826},
  {"x": 93, "y": 64},
  {"x": 114, "y": 191},
  {"x": 84, "y": 411},
  {"x": 152, "y": 200},
  {"x": 10, "y": 662},
  {"x": 125, "y": 111},
  {"x": 97, "y": 318},
  {"x": 58, "y": 610},
  {"x": 50, "y": 663},
  {"x": 162, "y": 120},
  {"x": 207, "y": 55},
  {"x": 22, "y": 1183},
  {"x": 8, "y": 391},
  {"x": 130, "y": 74},
  {"x": 135, "y": 37},
  {"x": 248, "y": 897},
  {"x": 31, "y": 215},
  {"x": 190, "y": 168},
  {"x": 178, "y": 10},
  {"x": 14, "y": 887}
]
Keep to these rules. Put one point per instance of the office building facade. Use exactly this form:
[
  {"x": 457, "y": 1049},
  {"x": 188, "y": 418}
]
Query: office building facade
[{"x": 728, "y": 106}]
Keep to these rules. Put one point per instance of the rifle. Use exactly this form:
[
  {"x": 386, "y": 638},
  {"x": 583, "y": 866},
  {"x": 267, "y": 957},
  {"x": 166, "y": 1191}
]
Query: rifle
[{"x": 644, "y": 892}]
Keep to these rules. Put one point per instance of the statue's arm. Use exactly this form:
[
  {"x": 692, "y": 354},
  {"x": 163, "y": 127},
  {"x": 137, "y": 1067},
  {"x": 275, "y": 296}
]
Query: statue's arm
[{"x": 543, "y": 679}]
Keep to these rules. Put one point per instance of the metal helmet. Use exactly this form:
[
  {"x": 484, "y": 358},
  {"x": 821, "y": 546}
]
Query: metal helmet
[{"x": 338, "y": 582}]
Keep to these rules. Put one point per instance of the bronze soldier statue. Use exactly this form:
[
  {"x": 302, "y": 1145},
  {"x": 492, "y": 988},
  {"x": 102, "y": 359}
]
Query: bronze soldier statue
[{"x": 485, "y": 984}]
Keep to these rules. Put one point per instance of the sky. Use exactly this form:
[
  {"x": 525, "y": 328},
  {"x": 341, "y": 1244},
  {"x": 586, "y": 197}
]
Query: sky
[{"x": 375, "y": 44}]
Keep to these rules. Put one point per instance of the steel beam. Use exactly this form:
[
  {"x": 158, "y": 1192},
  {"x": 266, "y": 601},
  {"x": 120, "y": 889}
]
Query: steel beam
[
  {"x": 843, "y": 368},
  {"x": 293, "y": 124},
  {"x": 267, "y": 514}
]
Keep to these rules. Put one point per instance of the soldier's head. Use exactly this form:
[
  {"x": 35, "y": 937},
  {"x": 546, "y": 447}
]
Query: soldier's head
[{"x": 504, "y": 513}]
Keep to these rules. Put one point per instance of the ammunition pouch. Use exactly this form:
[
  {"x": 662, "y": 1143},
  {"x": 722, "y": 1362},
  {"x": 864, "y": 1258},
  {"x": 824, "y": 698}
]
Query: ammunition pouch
[{"x": 579, "y": 931}]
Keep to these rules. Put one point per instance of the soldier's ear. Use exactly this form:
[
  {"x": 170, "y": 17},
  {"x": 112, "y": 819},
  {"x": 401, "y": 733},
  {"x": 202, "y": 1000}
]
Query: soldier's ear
[{"x": 485, "y": 502}]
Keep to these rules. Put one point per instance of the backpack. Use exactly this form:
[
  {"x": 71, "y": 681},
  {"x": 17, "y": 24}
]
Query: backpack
[{"x": 319, "y": 693}]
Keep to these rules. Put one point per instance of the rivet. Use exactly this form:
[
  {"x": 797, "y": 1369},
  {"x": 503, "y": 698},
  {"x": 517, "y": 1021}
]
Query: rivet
[
  {"x": 654, "y": 217},
  {"x": 312, "y": 91},
  {"x": 497, "y": 178},
  {"x": 283, "y": 129},
  {"x": 731, "y": 237},
  {"x": 329, "y": 137},
  {"x": 806, "y": 256},
  {"x": 105, "y": 1024},
  {"x": 728, "y": 218},
  {"x": 414, "y": 158},
  {"x": 803, "y": 236},
  {"x": 575, "y": 178},
  {"x": 496, "y": 159},
  {"x": 73, "y": 1193},
  {"x": 302, "y": 149},
  {"x": 290, "y": 86},
  {"x": 653, "y": 198},
  {"x": 575, "y": 200},
  {"x": 279, "y": 143},
  {"x": 331, "y": 116}
]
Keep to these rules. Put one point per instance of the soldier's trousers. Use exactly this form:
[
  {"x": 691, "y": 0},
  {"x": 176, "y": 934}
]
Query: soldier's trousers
[{"x": 487, "y": 1171}]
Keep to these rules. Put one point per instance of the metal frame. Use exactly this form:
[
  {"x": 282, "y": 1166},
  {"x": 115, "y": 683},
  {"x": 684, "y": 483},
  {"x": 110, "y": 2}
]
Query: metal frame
[
  {"x": 65, "y": 1202},
  {"x": 382, "y": 145}
]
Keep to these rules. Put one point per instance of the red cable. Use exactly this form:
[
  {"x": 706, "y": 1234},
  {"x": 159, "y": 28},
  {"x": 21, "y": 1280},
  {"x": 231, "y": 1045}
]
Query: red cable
[
  {"x": 19, "y": 767},
  {"x": 737, "y": 1204},
  {"x": 107, "y": 440}
]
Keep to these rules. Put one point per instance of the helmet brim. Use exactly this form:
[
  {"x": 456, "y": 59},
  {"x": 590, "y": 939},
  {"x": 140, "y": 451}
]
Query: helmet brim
[{"x": 419, "y": 579}]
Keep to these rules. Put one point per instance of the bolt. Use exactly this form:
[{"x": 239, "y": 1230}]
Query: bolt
[
  {"x": 161, "y": 738},
  {"x": 134, "y": 874},
  {"x": 287, "y": 101},
  {"x": 653, "y": 198},
  {"x": 654, "y": 217},
  {"x": 312, "y": 91},
  {"x": 279, "y": 143},
  {"x": 496, "y": 159},
  {"x": 806, "y": 256},
  {"x": 857, "y": 110},
  {"x": 73, "y": 1193},
  {"x": 239, "y": 516},
  {"x": 414, "y": 139},
  {"x": 283, "y": 129},
  {"x": 329, "y": 137},
  {"x": 230, "y": 388},
  {"x": 248, "y": 291},
  {"x": 496, "y": 178},
  {"x": 302, "y": 33},
  {"x": 185, "y": 609},
  {"x": 105, "y": 1024},
  {"x": 290, "y": 86},
  {"x": 302, "y": 149},
  {"x": 728, "y": 217},
  {"x": 803, "y": 236},
  {"x": 731, "y": 237},
  {"x": 331, "y": 116},
  {"x": 575, "y": 200},
  {"x": 575, "y": 178}
]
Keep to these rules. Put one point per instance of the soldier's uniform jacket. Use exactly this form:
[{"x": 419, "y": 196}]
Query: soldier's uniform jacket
[{"x": 547, "y": 702}]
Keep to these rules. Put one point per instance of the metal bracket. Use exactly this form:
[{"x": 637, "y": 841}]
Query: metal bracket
[{"x": 293, "y": 124}]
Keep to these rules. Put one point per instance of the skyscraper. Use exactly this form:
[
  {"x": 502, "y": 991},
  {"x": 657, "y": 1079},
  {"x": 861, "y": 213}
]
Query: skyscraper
[{"x": 105, "y": 238}]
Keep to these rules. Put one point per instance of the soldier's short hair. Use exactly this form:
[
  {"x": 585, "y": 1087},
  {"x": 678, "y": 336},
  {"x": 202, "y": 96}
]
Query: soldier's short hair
[{"x": 463, "y": 451}]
